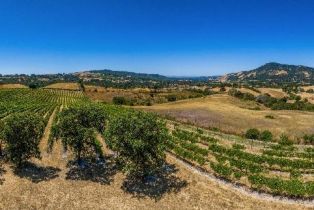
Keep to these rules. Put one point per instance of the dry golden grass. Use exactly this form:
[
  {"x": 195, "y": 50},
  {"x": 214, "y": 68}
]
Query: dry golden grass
[
  {"x": 65, "y": 86},
  {"x": 308, "y": 96},
  {"x": 97, "y": 93},
  {"x": 232, "y": 115},
  {"x": 245, "y": 90},
  {"x": 3, "y": 86},
  {"x": 274, "y": 92},
  {"x": 58, "y": 192},
  {"x": 308, "y": 87}
]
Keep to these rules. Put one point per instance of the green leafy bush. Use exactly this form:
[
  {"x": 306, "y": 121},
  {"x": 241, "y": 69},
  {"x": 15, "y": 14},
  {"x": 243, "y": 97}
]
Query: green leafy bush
[
  {"x": 22, "y": 133},
  {"x": 285, "y": 141},
  {"x": 266, "y": 135},
  {"x": 252, "y": 133},
  {"x": 119, "y": 100},
  {"x": 140, "y": 141}
]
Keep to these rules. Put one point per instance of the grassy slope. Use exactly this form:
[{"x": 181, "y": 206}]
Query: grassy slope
[
  {"x": 12, "y": 86},
  {"x": 234, "y": 116},
  {"x": 66, "y": 86}
]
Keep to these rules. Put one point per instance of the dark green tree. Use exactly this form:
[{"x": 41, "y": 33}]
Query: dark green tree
[
  {"x": 77, "y": 129},
  {"x": 266, "y": 135},
  {"x": 22, "y": 133},
  {"x": 252, "y": 133},
  {"x": 139, "y": 140}
]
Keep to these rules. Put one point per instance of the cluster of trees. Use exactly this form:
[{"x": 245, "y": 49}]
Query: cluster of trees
[
  {"x": 136, "y": 137},
  {"x": 161, "y": 97},
  {"x": 238, "y": 94},
  {"x": 255, "y": 134},
  {"x": 274, "y": 103}
]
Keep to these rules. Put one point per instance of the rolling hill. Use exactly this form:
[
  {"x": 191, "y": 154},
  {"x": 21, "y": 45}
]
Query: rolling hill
[
  {"x": 106, "y": 78},
  {"x": 273, "y": 73}
]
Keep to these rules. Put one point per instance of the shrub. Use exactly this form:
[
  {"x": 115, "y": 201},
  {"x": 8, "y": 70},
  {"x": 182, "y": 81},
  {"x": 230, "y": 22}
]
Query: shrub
[
  {"x": 285, "y": 141},
  {"x": 119, "y": 100},
  {"x": 171, "y": 98},
  {"x": 252, "y": 133},
  {"x": 309, "y": 139},
  {"x": 266, "y": 135},
  {"x": 310, "y": 91},
  {"x": 140, "y": 140},
  {"x": 269, "y": 117},
  {"x": 22, "y": 133},
  {"x": 33, "y": 86},
  {"x": 238, "y": 146}
]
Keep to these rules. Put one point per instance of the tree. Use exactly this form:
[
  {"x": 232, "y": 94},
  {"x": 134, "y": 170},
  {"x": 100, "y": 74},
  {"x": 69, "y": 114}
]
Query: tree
[
  {"x": 33, "y": 85},
  {"x": 266, "y": 135},
  {"x": 22, "y": 133},
  {"x": 171, "y": 98},
  {"x": 81, "y": 84},
  {"x": 119, "y": 100},
  {"x": 252, "y": 133},
  {"x": 77, "y": 128},
  {"x": 139, "y": 139}
]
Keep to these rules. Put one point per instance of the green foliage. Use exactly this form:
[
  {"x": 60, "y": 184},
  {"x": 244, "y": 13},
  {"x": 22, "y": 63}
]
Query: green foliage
[
  {"x": 252, "y": 133},
  {"x": 309, "y": 139},
  {"x": 81, "y": 84},
  {"x": 33, "y": 86},
  {"x": 269, "y": 117},
  {"x": 119, "y": 100},
  {"x": 266, "y": 135},
  {"x": 310, "y": 91},
  {"x": 171, "y": 98},
  {"x": 291, "y": 187},
  {"x": 77, "y": 126},
  {"x": 294, "y": 174},
  {"x": 22, "y": 133},
  {"x": 285, "y": 141},
  {"x": 140, "y": 141},
  {"x": 238, "y": 94},
  {"x": 238, "y": 146},
  {"x": 221, "y": 169}
]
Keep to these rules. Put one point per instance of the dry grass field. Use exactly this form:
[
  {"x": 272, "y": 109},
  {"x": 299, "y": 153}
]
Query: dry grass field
[
  {"x": 232, "y": 115},
  {"x": 50, "y": 183},
  {"x": 106, "y": 94},
  {"x": 65, "y": 86},
  {"x": 274, "y": 92},
  {"x": 10, "y": 86}
]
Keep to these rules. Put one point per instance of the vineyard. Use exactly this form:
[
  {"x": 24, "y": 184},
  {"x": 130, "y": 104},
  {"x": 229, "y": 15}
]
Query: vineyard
[
  {"x": 138, "y": 142},
  {"x": 42, "y": 102},
  {"x": 278, "y": 169}
]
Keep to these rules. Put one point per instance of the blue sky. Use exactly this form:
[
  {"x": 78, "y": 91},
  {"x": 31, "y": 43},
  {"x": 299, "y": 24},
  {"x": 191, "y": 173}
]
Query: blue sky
[{"x": 170, "y": 37}]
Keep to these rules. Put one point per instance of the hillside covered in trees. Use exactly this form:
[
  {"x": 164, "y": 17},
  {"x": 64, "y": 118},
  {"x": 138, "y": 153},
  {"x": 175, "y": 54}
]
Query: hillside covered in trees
[{"x": 273, "y": 73}]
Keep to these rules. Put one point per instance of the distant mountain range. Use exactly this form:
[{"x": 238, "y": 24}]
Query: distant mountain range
[
  {"x": 273, "y": 73},
  {"x": 268, "y": 73},
  {"x": 107, "y": 78}
]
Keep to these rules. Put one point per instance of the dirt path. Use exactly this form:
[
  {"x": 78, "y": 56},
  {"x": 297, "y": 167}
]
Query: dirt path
[
  {"x": 44, "y": 141},
  {"x": 242, "y": 190}
]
